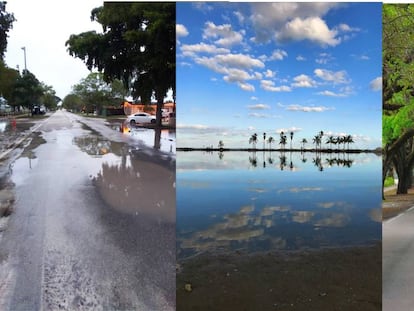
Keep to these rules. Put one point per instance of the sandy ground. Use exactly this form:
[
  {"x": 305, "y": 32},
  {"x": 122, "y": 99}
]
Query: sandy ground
[{"x": 330, "y": 279}]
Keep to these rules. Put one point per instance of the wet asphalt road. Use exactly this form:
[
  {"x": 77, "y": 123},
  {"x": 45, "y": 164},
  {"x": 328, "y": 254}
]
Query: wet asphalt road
[
  {"x": 93, "y": 222},
  {"x": 397, "y": 262}
]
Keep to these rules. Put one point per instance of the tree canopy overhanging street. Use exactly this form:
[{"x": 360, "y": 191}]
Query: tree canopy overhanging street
[{"x": 137, "y": 46}]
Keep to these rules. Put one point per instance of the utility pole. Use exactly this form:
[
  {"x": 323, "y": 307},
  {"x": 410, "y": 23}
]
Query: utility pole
[{"x": 25, "y": 65}]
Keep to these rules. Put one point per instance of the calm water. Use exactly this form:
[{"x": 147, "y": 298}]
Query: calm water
[{"x": 259, "y": 202}]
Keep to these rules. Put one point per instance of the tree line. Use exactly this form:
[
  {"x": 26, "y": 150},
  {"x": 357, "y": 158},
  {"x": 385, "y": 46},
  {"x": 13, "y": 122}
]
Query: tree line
[
  {"x": 317, "y": 140},
  {"x": 20, "y": 90}
]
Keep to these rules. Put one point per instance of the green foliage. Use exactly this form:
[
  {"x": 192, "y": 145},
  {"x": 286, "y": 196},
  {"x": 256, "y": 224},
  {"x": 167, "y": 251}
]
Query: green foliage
[
  {"x": 8, "y": 78},
  {"x": 72, "y": 102},
  {"x": 137, "y": 46},
  {"x": 27, "y": 91},
  {"x": 6, "y": 23},
  {"x": 95, "y": 93},
  {"x": 49, "y": 98},
  {"x": 389, "y": 181}
]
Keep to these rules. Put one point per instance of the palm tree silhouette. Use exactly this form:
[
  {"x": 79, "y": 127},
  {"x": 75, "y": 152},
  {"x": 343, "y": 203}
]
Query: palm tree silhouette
[
  {"x": 253, "y": 140},
  {"x": 330, "y": 141},
  {"x": 264, "y": 141},
  {"x": 291, "y": 138},
  {"x": 303, "y": 142},
  {"x": 283, "y": 139},
  {"x": 270, "y": 140}
]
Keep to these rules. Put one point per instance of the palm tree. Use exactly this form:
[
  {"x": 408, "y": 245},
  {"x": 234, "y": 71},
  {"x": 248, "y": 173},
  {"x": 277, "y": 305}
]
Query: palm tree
[
  {"x": 253, "y": 140},
  {"x": 330, "y": 141},
  {"x": 303, "y": 142},
  {"x": 349, "y": 140},
  {"x": 291, "y": 137},
  {"x": 270, "y": 140},
  {"x": 264, "y": 141},
  {"x": 283, "y": 139},
  {"x": 316, "y": 140},
  {"x": 221, "y": 144}
]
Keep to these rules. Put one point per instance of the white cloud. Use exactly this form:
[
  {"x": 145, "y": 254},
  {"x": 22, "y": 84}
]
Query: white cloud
[
  {"x": 236, "y": 75},
  {"x": 312, "y": 28},
  {"x": 324, "y": 58},
  {"x": 303, "y": 81},
  {"x": 239, "y": 61},
  {"x": 338, "y": 77},
  {"x": 278, "y": 55},
  {"x": 246, "y": 86},
  {"x": 308, "y": 108},
  {"x": 268, "y": 85},
  {"x": 293, "y": 129},
  {"x": 181, "y": 31},
  {"x": 300, "y": 58},
  {"x": 347, "y": 28},
  {"x": 239, "y": 16},
  {"x": 268, "y": 18},
  {"x": 269, "y": 73},
  {"x": 258, "y": 107},
  {"x": 254, "y": 98},
  {"x": 227, "y": 36},
  {"x": 343, "y": 92},
  {"x": 193, "y": 49},
  {"x": 376, "y": 84},
  {"x": 258, "y": 115}
]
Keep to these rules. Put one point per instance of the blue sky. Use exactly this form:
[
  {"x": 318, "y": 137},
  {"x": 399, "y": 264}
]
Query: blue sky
[{"x": 245, "y": 68}]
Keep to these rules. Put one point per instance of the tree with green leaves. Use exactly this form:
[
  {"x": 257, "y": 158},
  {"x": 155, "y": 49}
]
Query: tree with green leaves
[
  {"x": 398, "y": 92},
  {"x": 27, "y": 91},
  {"x": 72, "y": 102},
  {"x": 137, "y": 46},
  {"x": 96, "y": 94},
  {"x": 49, "y": 98},
  {"x": 8, "y": 78},
  {"x": 6, "y": 23}
]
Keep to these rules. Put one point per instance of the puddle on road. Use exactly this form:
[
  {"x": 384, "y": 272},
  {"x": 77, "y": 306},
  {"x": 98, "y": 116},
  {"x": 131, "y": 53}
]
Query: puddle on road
[
  {"x": 160, "y": 139},
  {"x": 131, "y": 181},
  {"x": 3, "y": 126}
]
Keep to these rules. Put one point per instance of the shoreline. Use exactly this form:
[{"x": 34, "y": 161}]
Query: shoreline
[{"x": 313, "y": 150}]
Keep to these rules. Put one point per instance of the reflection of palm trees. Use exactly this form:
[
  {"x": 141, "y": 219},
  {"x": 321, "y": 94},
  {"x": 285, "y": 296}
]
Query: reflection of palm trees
[
  {"x": 282, "y": 161},
  {"x": 318, "y": 163},
  {"x": 253, "y": 160}
]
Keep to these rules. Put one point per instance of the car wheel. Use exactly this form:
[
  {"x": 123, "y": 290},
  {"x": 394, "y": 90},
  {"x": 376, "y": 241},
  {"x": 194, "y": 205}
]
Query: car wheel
[
  {"x": 152, "y": 121},
  {"x": 132, "y": 122}
]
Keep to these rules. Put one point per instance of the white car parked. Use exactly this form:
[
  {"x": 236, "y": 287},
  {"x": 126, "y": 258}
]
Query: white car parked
[{"x": 141, "y": 117}]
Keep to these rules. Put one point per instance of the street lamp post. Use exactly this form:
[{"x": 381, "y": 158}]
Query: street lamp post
[{"x": 25, "y": 65}]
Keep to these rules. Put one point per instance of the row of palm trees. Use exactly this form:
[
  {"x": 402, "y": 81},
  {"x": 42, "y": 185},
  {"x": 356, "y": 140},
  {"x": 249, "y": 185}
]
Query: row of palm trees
[{"x": 317, "y": 140}]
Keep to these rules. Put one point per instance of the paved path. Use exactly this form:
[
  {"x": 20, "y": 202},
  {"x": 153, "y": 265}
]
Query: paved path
[{"x": 398, "y": 262}]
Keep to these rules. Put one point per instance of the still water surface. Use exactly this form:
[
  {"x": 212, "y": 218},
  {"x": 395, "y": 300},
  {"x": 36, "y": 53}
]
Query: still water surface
[{"x": 276, "y": 201}]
